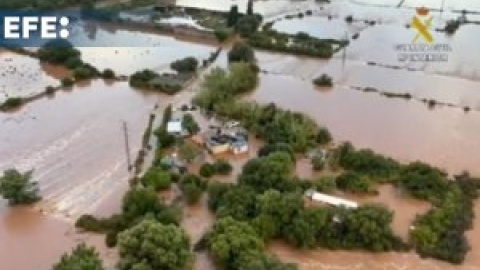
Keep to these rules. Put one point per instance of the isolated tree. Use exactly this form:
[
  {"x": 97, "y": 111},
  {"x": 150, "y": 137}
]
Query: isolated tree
[
  {"x": 248, "y": 25},
  {"x": 230, "y": 239},
  {"x": 151, "y": 245},
  {"x": 81, "y": 258},
  {"x": 232, "y": 16},
  {"x": 188, "y": 151},
  {"x": 250, "y": 7},
  {"x": 18, "y": 188},
  {"x": 157, "y": 179},
  {"x": 192, "y": 187},
  {"x": 241, "y": 52},
  {"x": 189, "y": 124}
]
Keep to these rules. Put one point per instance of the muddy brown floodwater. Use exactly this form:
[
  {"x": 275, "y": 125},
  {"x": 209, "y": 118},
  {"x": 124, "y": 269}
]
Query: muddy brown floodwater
[
  {"x": 31, "y": 240},
  {"x": 405, "y": 130}
]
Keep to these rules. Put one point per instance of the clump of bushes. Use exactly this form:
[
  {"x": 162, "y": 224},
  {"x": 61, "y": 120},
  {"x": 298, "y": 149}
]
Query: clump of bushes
[
  {"x": 219, "y": 167},
  {"x": 241, "y": 52},
  {"x": 157, "y": 179},
  {"x": 67, "y": 82},
  {"x": 192, "y": 188},
  {"x": 223, "y": 33},
  {"x": 165, "y": 83},
  {"x": 108, "y": 74},
  {"x": 248, "y": 25},
  {"x": 300, "y": 44},
  {"x": 186, "y": 65},
  {"x": 50, "y": 90},
  {"x": 354, "y": 183},
  {"x": 12, "y": 102},
  {"x": 323, "y": 80}
]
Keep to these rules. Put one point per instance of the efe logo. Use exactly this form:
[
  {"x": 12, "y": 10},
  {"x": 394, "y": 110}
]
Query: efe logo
[{"x": 21, "y": 27}]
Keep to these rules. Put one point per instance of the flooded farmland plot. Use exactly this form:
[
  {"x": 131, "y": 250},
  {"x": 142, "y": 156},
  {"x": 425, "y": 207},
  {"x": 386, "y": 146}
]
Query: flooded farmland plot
[
  {"x": 146, "y": 50},
  {"x": 35, "y": 77},
  {"x": 75, "y": 143}
]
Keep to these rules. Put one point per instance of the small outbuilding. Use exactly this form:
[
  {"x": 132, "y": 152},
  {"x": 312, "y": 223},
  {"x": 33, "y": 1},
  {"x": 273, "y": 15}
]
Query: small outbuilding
[
  {"x": 331, "y": 200},
  {"x": 174, "y": 127}
]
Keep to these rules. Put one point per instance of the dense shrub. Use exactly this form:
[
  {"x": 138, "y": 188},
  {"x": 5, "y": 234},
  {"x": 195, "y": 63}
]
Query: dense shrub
[
  {"x": 12, "y": 102},
  {"x": 354, "y": 183},
  {"x": 222, "y": 167},
  {"x": 192, "y": 187},
  {"x": 365, "y": 161},
  {"x": 207, "y": 170},
  {"x": 247, "y": 25},
  {"x": 241, "y": 52},
  {"x": 277, "y": 147},
  {"x": 108, "y": 74},
  {"x": 222, "y": 34},
  {"x": 323, "y": 80},
  {"x": 188, "y": 64},
  {"x": 67, "y": 82},
  {"x": 157, "y": 179},
  {"x": 326, "y": 184}
]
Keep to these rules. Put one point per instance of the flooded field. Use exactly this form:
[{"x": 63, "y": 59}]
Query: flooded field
[
  {"x": 405, "y": 130},
  {"x": 34, "y": 76},
  {"x": 74, "y": 142},
  {"x": 139, "y": 50}
]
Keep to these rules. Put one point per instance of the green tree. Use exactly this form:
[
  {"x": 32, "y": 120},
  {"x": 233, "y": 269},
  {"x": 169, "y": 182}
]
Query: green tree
[
  {"x": 192, "y": 187},
  {"x": 263, "y": 261},
  {"x": 140, "y": 202},
  {"x": 241, "y": 52},
  {"x": 186, "y": 65},
  {"x": 189, "y": 124},
  {"x": 270, "y": 172},
  {"x": 281, "y": 207},
  {"x": 250, "y": 7},
  {"x": 82, "y": 258},
  {"x": 325, "y": 184},
  {"x": 230, "y": 239},
  {"x": 248, "y": 25},
  {"x": 151, "y": 245},
  {"x": 157, "y": 179},
  {"x": 207, "y": 170},
  {"x": 232, "y": 16},
  {"x": 189, "y": 151},
  {"x": 222, "y": 167},
  {"x": 355, "y": 183},
  {"x": 108, "y": 74},
  {"x": 323, "y": 136},
  {"x": 238, "y": 202},
  {"x": 18, "y": 188},
  {"x": 306, "y": 227},
  {"x": 423, "y": 181}
]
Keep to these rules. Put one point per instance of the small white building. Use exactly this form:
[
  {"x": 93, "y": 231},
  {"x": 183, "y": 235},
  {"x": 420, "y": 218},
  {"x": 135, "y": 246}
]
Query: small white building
[
  {"x": 174, "y": 127},
  {"x": 331, "y": 200}
]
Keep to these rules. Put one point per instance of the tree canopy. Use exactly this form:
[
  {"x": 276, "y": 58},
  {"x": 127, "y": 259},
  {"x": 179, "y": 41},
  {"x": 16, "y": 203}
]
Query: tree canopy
[
  {"x": 81, "y": 258},
  {"x": 18, "y": 188},
  {"x": 151, "y": 245}
]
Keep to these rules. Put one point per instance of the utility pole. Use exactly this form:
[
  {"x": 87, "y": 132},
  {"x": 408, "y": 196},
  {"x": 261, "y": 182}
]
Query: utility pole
[
  {"x": 127, "y": 145},
  {"x": 441, "y": 10}
]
